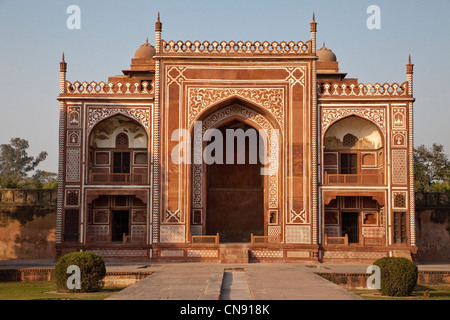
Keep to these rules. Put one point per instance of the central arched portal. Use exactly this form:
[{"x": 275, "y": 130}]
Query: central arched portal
[
  {"x": 234, "y": 183},
  {"x": 236, "y": 165}
]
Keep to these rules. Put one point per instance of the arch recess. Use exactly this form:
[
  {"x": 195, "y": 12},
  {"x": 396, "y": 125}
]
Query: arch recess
[
  {"x": 220, "y": 115},
  {"x": 97, "y": 114},
  {"x": 204, "y": 101},
  {"x": 105, "y": 132},
  {"x": 374, "y": 115},
  {"x": 366, "y": 134}
]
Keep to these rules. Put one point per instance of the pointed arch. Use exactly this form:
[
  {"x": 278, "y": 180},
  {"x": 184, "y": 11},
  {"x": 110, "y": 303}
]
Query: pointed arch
[
  {"x": 374, "y": 115},
  {"x": 265, "y": 100},
  {"x": 142, "y": 115},
  {"x": 235, "y": 109},
  {"x": 353, "y": 131},
  {"x": 110, "y": 128}
]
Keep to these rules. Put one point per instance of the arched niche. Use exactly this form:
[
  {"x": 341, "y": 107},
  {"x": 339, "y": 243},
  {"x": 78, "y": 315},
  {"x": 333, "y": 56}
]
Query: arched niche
[
  {"x": 353, "y": 132},
  {"x": 236, "y": 115},
  {"x": 353, "y": 153},
  {"x": 104, "y": 134},
  {"x": 118, "y": 152}
]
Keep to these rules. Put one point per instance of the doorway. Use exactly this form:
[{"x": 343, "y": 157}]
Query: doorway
[
  {"x": 235, "y": 191},
  {"x": 120, "y": 224},
  {"x": 121, "y": 162},
  {"x": 350, "y": 226}
]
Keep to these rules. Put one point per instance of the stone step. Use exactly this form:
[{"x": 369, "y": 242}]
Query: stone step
[{"x": 234, "y": 255}]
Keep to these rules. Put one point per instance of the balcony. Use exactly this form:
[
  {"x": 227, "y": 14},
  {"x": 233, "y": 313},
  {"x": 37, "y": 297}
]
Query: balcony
[
  {"x": 353, "y": 179},
  {"x": 118, "y": 178}
]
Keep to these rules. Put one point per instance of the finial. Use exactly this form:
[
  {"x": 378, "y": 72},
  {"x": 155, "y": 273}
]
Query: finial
[
  {"x": 146, "y": 41},
  {"x": 63, "y": 64},
  {"x": 314, "y": 23},
  {"x": 158, "y": 24},
  {"x": 409, "y": 66}
]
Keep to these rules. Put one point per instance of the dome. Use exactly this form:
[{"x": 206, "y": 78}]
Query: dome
[
  {"x": 146, "y": 51},
  {"x": 325, "y": 54}
]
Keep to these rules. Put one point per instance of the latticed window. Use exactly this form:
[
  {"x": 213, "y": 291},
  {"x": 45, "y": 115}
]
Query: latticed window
[
  {"x": 122, "y": 141},
  {"x": 72, "y": 198},
  {"x": 349, "y": 141},
  {"x": 399, "y": 200}
]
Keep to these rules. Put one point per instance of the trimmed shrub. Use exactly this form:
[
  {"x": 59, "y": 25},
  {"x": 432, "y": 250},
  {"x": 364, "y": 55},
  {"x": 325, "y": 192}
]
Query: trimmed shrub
[
  {"x": 92, "y": 269},
  {"x": 398, "y": 276}
]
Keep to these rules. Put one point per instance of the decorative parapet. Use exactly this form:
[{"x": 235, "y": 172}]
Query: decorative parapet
[
  {"x": 102, "y": 88},
  {"x": 372, "y": 90},
  {"x": 239, "y": 47}
]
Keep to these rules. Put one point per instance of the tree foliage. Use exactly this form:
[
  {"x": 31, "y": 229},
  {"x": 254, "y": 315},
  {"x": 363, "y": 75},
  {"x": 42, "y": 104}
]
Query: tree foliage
[
  {"x": 398, "y": 276},
  {"x": 16, "y": 164},
  {"x": 92, "y": 269},
  {"x": 431, "y": 169}
]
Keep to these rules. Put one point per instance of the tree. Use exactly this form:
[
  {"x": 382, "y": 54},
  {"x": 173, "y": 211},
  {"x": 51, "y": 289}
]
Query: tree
[
  {"x": 15, "y": 163},
  {"x": 45, "y": 180},
  {"x": 431, "y": 169}
]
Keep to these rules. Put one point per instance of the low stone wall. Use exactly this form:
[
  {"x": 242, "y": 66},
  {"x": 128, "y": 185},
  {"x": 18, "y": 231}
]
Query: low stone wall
[
  {"x": 359, "y": 280},
  {"x": 111, "y": 279},
  {"x": 26, "y": 275},
  {"x": 27, "y": 224},
  {"x": 433, "y": 227}
]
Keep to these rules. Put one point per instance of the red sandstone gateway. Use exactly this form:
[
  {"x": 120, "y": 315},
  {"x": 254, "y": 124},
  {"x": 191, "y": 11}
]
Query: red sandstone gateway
[{"x": 342, "y": 188}]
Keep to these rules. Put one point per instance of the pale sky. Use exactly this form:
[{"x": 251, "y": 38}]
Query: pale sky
[{"x": 34, "y": 34}]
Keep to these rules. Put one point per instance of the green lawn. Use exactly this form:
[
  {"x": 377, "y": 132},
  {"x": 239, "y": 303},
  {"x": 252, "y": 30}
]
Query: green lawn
[
  {"x": 420, "y": 293},
  {"x": 41, "y": 290}
]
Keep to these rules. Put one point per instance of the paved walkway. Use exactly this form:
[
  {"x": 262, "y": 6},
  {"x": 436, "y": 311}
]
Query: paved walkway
[
  {"x": 206, "y": 281},
  {"x": 203, "y": 281}
]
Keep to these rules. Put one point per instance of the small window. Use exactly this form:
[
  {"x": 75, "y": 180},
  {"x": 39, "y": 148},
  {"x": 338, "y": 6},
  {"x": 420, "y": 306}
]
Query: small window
[
  {"x": 197, "y": 216},
  {"x": 400, "y": 236},
  {"x": 122, "y": 141},
  {"x": 349, "y": 141},
  {"x": 71, "y": 225}
]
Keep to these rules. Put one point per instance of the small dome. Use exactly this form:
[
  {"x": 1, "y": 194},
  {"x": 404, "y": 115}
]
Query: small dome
[
  {"x": 146, "y": 51},
  {"x": 325, "y": 54}
]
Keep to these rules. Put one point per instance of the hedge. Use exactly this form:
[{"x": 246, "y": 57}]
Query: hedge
[
  {"x": 92, "y": 270},
  {"x": 398, "y": 276}
]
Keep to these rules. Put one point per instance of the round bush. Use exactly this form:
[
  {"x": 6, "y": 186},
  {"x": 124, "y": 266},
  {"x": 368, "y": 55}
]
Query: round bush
[
  {"x": 92, "y": 270},
  {"x": 398, "y": 276}
]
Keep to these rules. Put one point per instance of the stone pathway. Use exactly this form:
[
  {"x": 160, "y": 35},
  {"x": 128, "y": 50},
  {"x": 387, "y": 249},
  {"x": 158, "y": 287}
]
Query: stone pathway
[
  {"x": 293, "y": 282},
  {"x": 176, "y": 282},
  {"x": 206, "y": 281}
]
